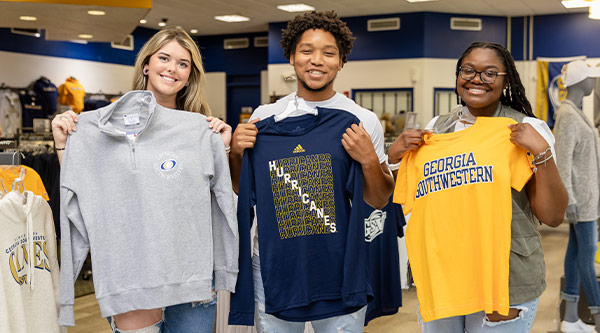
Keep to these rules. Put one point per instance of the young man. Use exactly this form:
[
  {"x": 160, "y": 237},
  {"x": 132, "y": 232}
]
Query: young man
[{"x": 317, "y": 45}]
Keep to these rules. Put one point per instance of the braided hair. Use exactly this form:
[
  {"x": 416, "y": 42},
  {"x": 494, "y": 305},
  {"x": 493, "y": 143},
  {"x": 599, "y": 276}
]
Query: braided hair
[{"x": 513, "y": 97}]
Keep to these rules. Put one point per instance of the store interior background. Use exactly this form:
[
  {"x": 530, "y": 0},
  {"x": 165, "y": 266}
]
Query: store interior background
[{"x": 419, "y": 57}]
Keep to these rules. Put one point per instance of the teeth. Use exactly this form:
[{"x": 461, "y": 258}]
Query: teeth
[
  {"x": 315, "y": 72},
  {"x": 473, "y": 90},
  {"x": 168, "y": 78}
]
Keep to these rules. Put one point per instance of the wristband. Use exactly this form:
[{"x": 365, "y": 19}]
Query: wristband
[
  {"x": 394, "y": 166},
  {"x": 63, "y": 148}
]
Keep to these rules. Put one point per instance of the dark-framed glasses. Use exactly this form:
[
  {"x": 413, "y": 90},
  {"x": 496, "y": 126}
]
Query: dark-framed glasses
[{"x": 487, "y": 76}]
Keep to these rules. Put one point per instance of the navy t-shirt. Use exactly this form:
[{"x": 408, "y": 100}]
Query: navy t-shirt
[
  {"x": 382, "y": 229},
  {"x": 311, "y": 238}
]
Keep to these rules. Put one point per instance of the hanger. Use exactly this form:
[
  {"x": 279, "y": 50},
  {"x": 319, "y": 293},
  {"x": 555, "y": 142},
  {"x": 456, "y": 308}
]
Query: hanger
[
  {"x": 297, "y": 107},
  {"x": 17, "y": 185}
]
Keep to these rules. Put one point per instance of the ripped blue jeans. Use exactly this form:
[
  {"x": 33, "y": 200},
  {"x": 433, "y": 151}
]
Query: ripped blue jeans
[
  {"x": 188, "y": 317},
  {"x": 478, "y": 323}
]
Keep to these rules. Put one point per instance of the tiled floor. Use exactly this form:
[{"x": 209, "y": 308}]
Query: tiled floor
[{"x": 88, "y": 319}]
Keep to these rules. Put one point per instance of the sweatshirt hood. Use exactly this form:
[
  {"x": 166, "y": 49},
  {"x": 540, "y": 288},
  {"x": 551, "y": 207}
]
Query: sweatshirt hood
[{"x": 141, "y": 101}]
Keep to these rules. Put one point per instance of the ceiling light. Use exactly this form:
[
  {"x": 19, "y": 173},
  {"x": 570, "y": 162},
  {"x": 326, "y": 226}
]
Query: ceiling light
[
  {"x": 163, "y": 22},
  {"x": 85, "y": 36},
  {"x": 595, "y": 11},
  {"x": 232, "y": 18},
  {"x": 27, "y": 18},
  {"x": 298, "y": 7},
  {"x": 143, "y": 21},
  {"x": 194, "y": 31},
  {"x": 575, "y": 3},
  {"x": 96, "y": 12},
  {"x": 411, "y": 1}
]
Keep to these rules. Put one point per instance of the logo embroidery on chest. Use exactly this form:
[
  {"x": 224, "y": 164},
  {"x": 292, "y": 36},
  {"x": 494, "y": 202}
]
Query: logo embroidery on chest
[{"x": 168, "y": 165}]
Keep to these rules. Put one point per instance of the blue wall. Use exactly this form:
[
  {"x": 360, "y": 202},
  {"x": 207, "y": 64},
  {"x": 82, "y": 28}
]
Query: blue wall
[
  {"x": 420, "y": 35},
  {"x": 565, "y": 36},
  {"x": 246, "y": 61},
  {"x": 93, "y": 51}
]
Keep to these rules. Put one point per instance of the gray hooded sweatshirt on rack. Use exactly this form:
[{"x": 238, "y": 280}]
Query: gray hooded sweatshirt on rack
[{"x": 147, "y": 191}]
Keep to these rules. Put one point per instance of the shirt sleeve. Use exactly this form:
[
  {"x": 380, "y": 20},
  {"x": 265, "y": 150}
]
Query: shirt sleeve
[
  {"x": 241, "y": 310},
  {"x": 74, "y": 248},
  {"x": 224, "y": 220},
  {"x": 403, "y": 192},
  {"x": 566, "y": 140},
  {"x": 520, "y": 167}
]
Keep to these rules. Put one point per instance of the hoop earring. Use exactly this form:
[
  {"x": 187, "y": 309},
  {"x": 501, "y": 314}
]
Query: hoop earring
[{"x": 145, "y": 71}]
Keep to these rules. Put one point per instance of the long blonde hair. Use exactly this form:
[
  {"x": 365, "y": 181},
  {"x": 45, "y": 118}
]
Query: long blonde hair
[{"x": 189, "y": 98}]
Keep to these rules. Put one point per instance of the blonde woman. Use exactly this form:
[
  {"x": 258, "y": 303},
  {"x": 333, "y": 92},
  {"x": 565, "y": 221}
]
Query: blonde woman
[{"x": 170, "y": 66}]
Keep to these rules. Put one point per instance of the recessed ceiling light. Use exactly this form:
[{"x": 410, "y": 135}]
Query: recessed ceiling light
[
  {"x": 162, "y": 24},
  {"x": 85, "y": 36},
  {"x": 232, "y": 18},
  {"x": 96, "y": 12},
  {"x": 575, "y": 3},
  {"x": 298, "y": 7},
  {"x": 194, "y": 31},
  {"x": 143, "y": 21},
  {"x": 27, "y": 18},
  {"x": 411, "y": 1},
  {"x": 595, "y": 11}
]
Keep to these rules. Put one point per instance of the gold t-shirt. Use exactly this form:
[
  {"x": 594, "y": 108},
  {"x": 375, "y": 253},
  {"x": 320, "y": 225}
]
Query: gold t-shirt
[{"x": 457, "y": 187}]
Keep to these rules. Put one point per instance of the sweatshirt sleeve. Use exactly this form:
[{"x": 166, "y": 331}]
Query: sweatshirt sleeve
[
  {"x": 566, "y": 134},
  {"x": 224, "y": 220},
  {"x": 74, "y": 249},
  {"x": 241, "y": 311}
]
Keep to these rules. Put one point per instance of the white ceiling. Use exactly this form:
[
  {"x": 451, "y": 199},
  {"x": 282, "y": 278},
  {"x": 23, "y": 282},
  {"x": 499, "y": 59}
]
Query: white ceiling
[{"x": 64, "y": 22}]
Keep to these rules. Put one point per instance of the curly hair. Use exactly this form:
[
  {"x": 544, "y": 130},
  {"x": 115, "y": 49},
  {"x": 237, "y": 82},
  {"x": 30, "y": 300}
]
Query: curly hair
[
  {"x": 515, "y": 95},
  {"x": 328, "y": 21}
]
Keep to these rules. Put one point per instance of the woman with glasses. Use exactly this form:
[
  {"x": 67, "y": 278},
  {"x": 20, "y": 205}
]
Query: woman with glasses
[{"x": 488, "y": 85}]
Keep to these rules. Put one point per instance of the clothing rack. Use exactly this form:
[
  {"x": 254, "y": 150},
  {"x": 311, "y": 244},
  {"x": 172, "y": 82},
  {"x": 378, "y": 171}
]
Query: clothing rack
[{"x": 10, "y": 158}]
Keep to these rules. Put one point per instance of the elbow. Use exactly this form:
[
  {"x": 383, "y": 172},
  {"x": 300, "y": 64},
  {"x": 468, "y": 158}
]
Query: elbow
[{"x": 553, "y": 221}]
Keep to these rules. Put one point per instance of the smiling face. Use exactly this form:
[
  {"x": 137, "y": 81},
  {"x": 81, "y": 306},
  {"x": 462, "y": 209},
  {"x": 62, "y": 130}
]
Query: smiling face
[
  {"x": 168, "y": 70},
  {"x": 316, "y": 62},
  {"x": 482, "y": 98}
]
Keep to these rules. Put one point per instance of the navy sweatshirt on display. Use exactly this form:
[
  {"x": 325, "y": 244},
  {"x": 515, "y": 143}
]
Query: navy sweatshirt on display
[{"x": 312, "y": 243}]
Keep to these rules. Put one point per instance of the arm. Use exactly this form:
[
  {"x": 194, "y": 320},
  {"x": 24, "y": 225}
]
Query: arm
[
  {"x": 408, "y": 140},
  {"x": 378, "y": 183},
  {"x": 63, "y": 125},
  {"x": 243, "y": 137},
  {"x": 546, "y": 192},
  {"x": 566, "y": 135}
]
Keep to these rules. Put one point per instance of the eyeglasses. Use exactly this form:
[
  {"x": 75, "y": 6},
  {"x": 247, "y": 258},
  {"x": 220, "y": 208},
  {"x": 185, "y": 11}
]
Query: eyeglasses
[{"x": 488, "y": 76}]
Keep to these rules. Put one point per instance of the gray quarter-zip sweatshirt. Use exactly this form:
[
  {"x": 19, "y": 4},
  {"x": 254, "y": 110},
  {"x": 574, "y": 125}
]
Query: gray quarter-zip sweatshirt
[{"x": 147, "y": 190}]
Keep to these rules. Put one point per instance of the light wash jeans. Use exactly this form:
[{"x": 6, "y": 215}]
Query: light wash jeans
[
  {"x": 188, "y": 317},
  {"x": 266, "y": 323},
  {"x": 579, "y": 265},
  {"x": 478, "y": 323}
]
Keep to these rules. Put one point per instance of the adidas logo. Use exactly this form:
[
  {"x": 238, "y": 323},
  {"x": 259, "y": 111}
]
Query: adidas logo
[{"x": 298, "y": 149}]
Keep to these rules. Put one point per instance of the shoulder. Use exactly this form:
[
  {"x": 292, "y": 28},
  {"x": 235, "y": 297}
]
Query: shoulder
[
  {"x": 267, "y": 110},
  {"x": 368, "y": 117}
]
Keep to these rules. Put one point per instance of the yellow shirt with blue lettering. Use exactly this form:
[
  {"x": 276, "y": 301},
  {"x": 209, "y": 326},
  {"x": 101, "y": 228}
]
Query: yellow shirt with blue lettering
[
  {"x": 31, "y": 179},
  {"x": 457, "y": 187}
]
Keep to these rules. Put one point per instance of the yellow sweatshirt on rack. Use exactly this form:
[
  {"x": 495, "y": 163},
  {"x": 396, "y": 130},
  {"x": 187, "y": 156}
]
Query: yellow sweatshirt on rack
[{"x": 31, "y": 179}]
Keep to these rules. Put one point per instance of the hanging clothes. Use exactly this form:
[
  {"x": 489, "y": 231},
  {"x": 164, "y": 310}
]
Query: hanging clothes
[
  {"x": 31, "y": 179},
  {"x": 151, "y": 185},
  {"x": 383, "y": 227},
  {"x": 308, "y": 196},
  {"x": 458, "y": 188},
  {"x": 48, "y": 95},
  {"x": 31, "y": 108},
  {"x": 72, "y": 93},
  {"x": 29, "y": 272},
  {"x": 10, "y": 114}
]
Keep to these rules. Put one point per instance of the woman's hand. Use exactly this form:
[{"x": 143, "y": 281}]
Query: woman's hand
[
  {"x": 219, "y": 126},
  {"x": 410, "y": 139},
  {"x": 526, "y": 137},
  {"x": 63, "y": 125}
]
